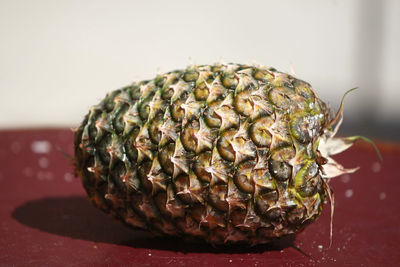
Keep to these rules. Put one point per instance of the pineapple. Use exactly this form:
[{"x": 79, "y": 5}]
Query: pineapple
[{"x": 226, "y": 153}]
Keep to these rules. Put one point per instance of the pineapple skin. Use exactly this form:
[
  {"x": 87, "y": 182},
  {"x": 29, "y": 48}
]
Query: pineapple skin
[{"x": 227, "y": 153}]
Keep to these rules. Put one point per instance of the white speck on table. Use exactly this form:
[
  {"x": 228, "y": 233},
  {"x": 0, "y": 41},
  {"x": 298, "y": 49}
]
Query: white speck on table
[
  {"x": 68, "y": 177},
  {"x": 376, "y": 167},
  {"x": 44, "y": 175},
  {"x": 349, "y": 193},
  {"x": 345, "y": 178},
  {"x": 41, "y": 147},
  {"x": 43, "y": 162}
]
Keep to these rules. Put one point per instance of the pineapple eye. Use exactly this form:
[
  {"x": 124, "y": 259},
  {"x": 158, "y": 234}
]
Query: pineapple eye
[
  {"x": 212, "y": 119},
  {"x": 217, "y": 197},
  {"x": 310, "y": 187},
  {"x": 190, "y": 76},
  {"x": 296, "y": 215},
  {"x": 164, "y": 157},
  {"x": 229, "y": 81},
  {"x": 263, "y": 179},
  {"x": 243, "y": 104},
  {"x": 244, "y": 183},
  {"x": 303, "y": 128},
  {"x": 177, "y": 112},
  {"x": 262, "y": 75},
  {"x": 182, "y": 182},
  {"x": 266, "y": 199},
  {"x": 167, "y": 93},
  {"x": 280, "y": 170},
  {"x": 224, "y": 146},
  {"x": 159, "y": 81},
  {"x": 143, "y": 171},
  {"x": 135, "y": 92},
  {"x": 188, "y": 138},
  {"x": 119, "y": 124},
  {"x": 244, "y": 178},
  {"x": 201, "y": 163},
  {"x": 102, "y": 145},
  {"x": 216, "y": 68},
  {"x": 154, "y": 128},
  {"x": 201, "y": 92},
  {"x": 278, "y": 98},
  {"x": 144, "y": 109},
  {"x": 307, "y": 180},
  {"x": 281, "y": 96},
  {"x": 305, "y": 92},
  {"x": 277, "y": 164},
  {"x": 130, "y": 148},
  {"x": 283, "y": 154},
  {"x": 274, "y": 214},
  {"x": 259, "y": 133},
  {"x": 108, "y": 104}
]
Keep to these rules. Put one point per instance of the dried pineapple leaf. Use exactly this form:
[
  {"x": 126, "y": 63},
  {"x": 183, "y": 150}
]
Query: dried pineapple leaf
[
  {"x": 339, "y": 113},
  {"x": 333, "y": 146},
  {"x": 331, "y": 197},
  {"x": 65, "y": 154},
  {"x": 333, "y": 169},
  {"x": 336, "y": 129},
  {"x": 367, "y": 140}
]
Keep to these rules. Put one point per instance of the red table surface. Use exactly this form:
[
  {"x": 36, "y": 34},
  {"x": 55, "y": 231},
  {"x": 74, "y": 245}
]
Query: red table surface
[{"x": 46, "y": 220}]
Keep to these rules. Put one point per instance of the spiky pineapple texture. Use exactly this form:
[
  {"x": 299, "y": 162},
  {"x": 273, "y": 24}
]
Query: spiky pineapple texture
[{"x": 226, "y": 153}]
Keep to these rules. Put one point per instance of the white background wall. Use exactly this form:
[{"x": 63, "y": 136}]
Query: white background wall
[{"x": 57, "y": 58}]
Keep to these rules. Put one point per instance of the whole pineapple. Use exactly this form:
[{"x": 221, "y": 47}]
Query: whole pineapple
[{"x": 226, "y": 153}]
